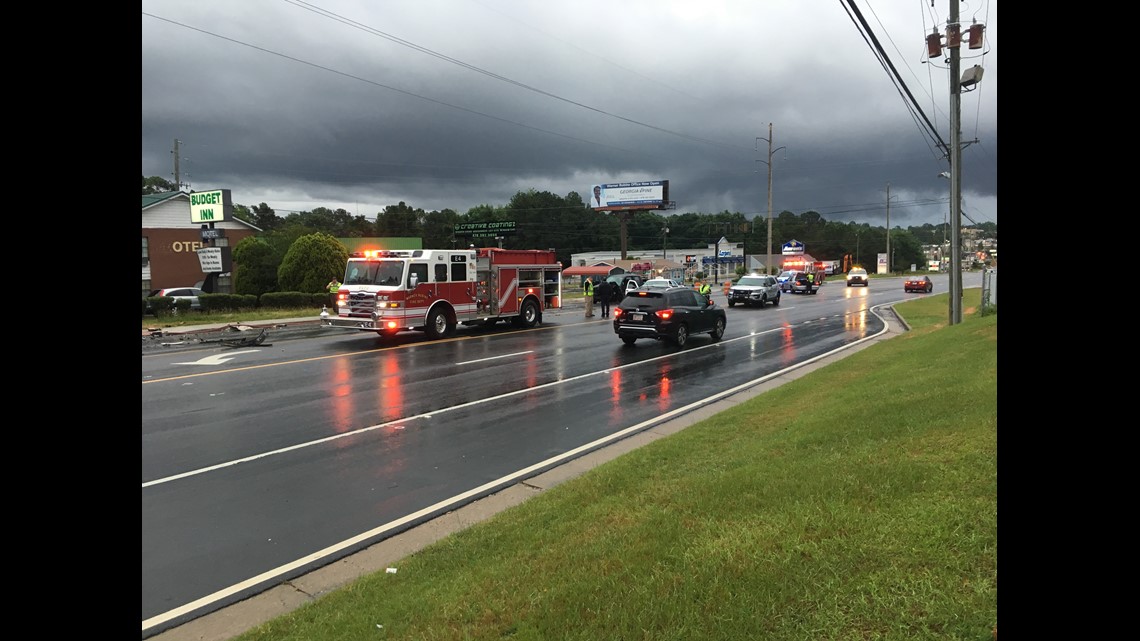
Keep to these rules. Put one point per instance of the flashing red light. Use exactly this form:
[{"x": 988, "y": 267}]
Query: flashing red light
[
  {"x": 665, "y": 314},
  {"x": 530, "y": 290},
  {"x": 391, "y": 325}
]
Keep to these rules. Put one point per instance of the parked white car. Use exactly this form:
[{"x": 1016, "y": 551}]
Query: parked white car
[{"x": 661, "y": 283}]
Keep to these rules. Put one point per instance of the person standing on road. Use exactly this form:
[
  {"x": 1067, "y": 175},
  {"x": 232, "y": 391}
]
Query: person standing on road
[
  {"x": 588, "y": 291},
  {"x": 334, "y": 287},
  {"x": 706, "y": 290},
  {"x": 605, "y": 296}
]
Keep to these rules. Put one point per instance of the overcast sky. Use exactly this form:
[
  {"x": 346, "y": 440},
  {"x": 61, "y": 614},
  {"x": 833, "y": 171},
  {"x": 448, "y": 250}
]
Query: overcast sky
[{"x": 458, "y": 103}]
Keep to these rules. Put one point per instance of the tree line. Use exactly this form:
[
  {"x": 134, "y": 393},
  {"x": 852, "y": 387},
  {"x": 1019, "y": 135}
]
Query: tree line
[{"x": 545, "y": 220}]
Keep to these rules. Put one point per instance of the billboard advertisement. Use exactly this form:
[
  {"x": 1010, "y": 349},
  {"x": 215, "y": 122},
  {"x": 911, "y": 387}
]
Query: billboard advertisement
[{"x": 648, "y": 194}]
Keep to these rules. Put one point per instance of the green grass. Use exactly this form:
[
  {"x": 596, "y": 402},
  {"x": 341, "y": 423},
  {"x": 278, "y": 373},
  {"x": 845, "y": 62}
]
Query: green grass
[{"x": 870, "y": 513}]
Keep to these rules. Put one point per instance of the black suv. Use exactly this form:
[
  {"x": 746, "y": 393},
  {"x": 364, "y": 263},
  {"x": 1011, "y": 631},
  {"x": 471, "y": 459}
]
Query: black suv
[
  {"x": 671, "y": 314},
  {"x": 619, "y": 285}
]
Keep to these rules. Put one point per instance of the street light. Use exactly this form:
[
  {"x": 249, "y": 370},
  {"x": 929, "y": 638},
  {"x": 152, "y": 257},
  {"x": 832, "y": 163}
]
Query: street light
[{"x": 768, "y": 261}]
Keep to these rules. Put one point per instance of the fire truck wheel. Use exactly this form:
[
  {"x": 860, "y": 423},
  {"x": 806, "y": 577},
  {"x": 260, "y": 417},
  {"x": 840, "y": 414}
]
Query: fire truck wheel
[
  {"x": 437, "y": 326},
  {"x": 528, "y": 315}
]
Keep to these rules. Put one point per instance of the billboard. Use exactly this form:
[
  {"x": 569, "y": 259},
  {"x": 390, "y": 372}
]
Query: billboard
[{"x": 647, "y": 194}]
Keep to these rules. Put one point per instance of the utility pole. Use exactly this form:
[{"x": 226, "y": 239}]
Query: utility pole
[
  {"x": 177, "y": 173},
  {"x": 957, "y": 82},
  {"x": 768, "y": 260},
  {"x": 955, "y": 172},
  {"x": 888, "y": 228},
  {"x": 624, "y": 217}
]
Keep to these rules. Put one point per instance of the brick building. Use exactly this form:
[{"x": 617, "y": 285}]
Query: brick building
[{"x": 170, "y": 243}]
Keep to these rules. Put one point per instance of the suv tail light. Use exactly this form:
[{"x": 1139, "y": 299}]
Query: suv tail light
[
  {"x": 618, "y": 312},
  {"x": 664, "y": 314}
]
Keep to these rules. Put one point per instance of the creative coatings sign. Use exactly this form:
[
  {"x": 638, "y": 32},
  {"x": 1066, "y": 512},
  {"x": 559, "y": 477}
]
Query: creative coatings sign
[
  {"x": 650, "y": 194},
  {"x": 490, "y": 228},
  {"x": 211, "y": 206}
]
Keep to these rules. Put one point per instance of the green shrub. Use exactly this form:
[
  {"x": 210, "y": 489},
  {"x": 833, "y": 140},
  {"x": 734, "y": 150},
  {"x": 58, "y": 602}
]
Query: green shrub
[
  {"x": 160, "y": 305},
  {"x": 227, "y": 302},
  {"x": 287, "y": 300}
]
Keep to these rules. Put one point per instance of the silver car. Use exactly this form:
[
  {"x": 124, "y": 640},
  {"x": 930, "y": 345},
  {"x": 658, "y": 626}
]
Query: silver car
[
  {"x": 754, "y": 289},
  {"x": 786, "y": 280},
  {"x": 181, "y": 293}
]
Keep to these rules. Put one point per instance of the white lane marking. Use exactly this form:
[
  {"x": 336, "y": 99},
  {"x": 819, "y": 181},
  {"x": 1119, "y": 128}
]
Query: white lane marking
[
  {"x": 529, "y": 351},
  {"x": 219, "y": 359}
]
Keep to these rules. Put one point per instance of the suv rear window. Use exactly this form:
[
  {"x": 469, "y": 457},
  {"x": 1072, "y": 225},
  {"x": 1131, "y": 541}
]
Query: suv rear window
[
  {"x": 684, "y": 298},
  {"x": 643, "y": 299}
]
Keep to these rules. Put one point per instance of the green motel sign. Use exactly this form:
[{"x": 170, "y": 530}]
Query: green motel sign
[{"x": 210, "y": 206}]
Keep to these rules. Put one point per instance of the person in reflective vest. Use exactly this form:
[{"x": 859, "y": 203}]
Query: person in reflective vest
[
  {"x": 706, "y": 290},
  {"x": 334, "y": 287},
  {"x": 588, "y": 291}
]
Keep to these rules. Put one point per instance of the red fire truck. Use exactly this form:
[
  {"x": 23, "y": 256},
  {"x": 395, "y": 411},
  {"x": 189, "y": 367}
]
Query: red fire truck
[{"x": 434, "y": 290}]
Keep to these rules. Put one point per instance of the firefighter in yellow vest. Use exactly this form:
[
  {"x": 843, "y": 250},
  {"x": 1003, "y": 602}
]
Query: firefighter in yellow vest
[
  {"x": 334, "y": 287},
  {"x": 706, "y": 290},
  {"x": 588, "y": 291}
]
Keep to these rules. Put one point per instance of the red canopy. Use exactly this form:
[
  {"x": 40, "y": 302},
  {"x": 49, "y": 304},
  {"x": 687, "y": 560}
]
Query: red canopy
[{"x": 593, "y": 270}]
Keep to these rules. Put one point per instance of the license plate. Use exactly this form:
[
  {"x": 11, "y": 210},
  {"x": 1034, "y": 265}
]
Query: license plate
[{"x": 637, "y": 317}]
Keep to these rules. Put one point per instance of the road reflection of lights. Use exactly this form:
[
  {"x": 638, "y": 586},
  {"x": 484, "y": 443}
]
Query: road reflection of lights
[
  {"x": 664, "y": 402},
  {"x": 342, "y": 405},
  {"x": 787, "y": 345},
  {"x": 616, "y": 409},
  {"x": 856, "y": 320},
  {"x": 391, "y": 388},
  {"x": 531, "y": 369}
]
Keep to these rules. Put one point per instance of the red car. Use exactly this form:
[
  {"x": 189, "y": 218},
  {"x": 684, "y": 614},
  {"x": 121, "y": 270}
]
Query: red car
[{"x": 918, "y": 284}]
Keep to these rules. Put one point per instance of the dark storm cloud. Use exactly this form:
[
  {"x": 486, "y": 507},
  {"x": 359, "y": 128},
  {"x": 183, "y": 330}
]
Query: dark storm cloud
[{"x": 303, "y": 105}]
